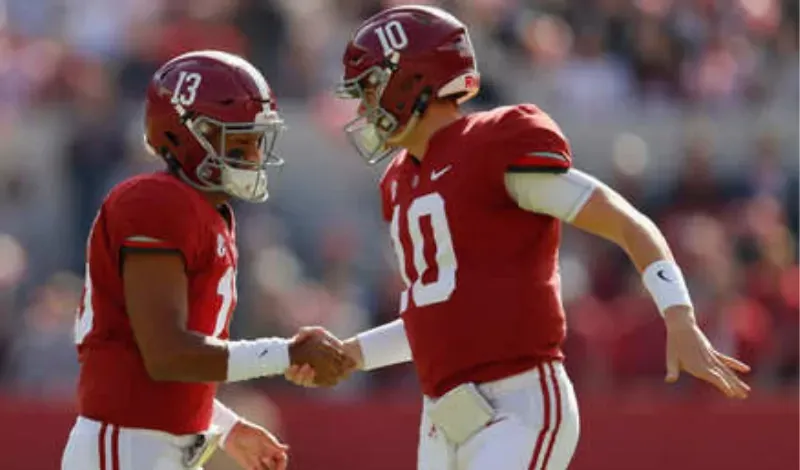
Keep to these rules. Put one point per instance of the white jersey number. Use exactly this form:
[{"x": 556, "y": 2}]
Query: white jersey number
[
  {"x": 186, "y": 89},
  {"x": 392, "y": 37},
  {"x": 85, "y": 314},
  {"x": 439, "y": 290},
  {"x": 227, "y": 290}
]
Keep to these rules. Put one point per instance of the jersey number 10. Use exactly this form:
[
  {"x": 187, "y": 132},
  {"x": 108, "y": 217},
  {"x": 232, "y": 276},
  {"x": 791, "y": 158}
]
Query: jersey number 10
[{"x": 437, "y": 290}]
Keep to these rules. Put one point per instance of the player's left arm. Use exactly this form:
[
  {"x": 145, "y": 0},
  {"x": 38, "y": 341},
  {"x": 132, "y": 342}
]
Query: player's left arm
[
  {"x": 588, "y": 204},
  {"x": 247, "y": 443}
]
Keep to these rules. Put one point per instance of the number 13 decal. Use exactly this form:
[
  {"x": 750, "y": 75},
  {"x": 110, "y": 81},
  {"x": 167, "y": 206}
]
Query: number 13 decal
[
  {"x": 186, "y": 89},
  {"x": 440, "y": 289}
]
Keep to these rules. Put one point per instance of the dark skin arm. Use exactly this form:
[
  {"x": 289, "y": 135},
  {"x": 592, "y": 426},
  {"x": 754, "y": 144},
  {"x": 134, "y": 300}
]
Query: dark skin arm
[
  {"x": 155, "y": 286},
  {"x": 155, "y": 298}
]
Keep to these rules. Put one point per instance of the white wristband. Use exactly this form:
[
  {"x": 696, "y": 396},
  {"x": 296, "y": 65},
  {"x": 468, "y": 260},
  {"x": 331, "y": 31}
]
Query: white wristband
[
  {"x": 666, "y": 285},
  {"x": 257, "y": 358},
  {"x": 385, "y": 345},
  {"x": 224, "y": 419}
]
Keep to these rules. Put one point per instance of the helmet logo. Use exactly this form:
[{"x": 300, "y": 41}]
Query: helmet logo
[
  {"x": 392, "y": 37},
  {"x": 470, "y": 81},
  {"x": 186, "y": 89}
]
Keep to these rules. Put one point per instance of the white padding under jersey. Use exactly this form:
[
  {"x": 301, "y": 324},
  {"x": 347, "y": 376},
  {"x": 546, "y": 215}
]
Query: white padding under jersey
[{"x": 561, "y": 195}]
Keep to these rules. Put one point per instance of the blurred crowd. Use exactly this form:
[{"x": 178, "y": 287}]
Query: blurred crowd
[{"x": 72, "y": 76}]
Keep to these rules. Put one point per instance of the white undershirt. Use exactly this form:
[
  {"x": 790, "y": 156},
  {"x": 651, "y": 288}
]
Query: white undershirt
[{"x": 560, "y": 195}]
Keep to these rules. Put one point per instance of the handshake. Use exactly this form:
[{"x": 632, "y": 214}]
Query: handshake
[{"x": 319, "y": 359}]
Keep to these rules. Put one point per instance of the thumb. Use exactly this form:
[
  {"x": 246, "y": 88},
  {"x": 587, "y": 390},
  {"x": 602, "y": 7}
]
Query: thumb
[
  {"x": 273, "y": 441},
  {"x": 673, "y": 366}
]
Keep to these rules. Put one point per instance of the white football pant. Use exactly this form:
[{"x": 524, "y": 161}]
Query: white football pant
[
  {"x": 536, "y": 427},
  {"x": 100, "y": 446}
]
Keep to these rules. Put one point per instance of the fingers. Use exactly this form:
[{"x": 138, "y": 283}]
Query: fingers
[
  {"x": 317, "y": 332},
  {"x": 276, "y": 462},
  {"x": 739, "y": 388},
  {"x": 715, "y": 378},
  {"x": 691, "y": 351},
  {"x": 719, "y": 375},
  {"x": 673, "y": 366},
  {"x": 331, "y": 372},
  {"x": 307, "y": 332},
  {"x": 274, "y": 453},
  {"x": 324, "y": 353},
  {"x": 302, "y": 375},
  {"x": 734, "y": 364}
]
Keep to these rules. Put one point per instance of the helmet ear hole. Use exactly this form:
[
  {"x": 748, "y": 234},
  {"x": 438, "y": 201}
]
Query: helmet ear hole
[
  {"x": 173, "y": 139},
  {"x": 173, "y": 165}
]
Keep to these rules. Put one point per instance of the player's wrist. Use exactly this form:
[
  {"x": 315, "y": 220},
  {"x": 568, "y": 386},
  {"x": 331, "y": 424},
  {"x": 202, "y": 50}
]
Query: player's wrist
[
  {"x": 664, "y": 280},
  {"x": 257, "y": 358},
  {"x": 680, "y": 317}
]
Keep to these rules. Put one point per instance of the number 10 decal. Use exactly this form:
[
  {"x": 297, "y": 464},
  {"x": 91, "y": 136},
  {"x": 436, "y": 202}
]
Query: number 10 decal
[{"x": 440, "y": 289}]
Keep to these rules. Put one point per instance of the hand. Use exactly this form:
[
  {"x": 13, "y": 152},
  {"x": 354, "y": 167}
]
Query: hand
[
  {"x": 689, "y": 349},
  {"x": 255, "y": 448},
  {"x": 304, "y": 375},
  {"x": 319, "y": 357}
]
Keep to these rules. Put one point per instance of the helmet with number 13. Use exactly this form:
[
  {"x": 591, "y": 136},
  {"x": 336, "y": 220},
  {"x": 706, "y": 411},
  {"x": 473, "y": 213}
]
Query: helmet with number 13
[{"x": 212, "y": 117}]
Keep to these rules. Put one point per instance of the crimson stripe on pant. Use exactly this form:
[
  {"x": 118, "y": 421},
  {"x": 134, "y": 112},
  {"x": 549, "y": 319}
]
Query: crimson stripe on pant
[
  {"x": 557, "y": 394},
  {"x": 546, "y": 420},
  {"x": 550, "y": 425},
  {"x": 115, "y": 448},
  {"x": 101, "y": 447}
]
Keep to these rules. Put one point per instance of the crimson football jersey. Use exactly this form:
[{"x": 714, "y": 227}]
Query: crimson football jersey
[
  {"x": 151, "y": 212},
  {"x": 483, "y": 289}
]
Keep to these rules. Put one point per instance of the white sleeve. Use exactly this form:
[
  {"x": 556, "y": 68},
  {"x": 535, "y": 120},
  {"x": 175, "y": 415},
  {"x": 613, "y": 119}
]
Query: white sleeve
[
  {"x": 561, "y": 195},
  {"x": 224, "y": 419},
  {"x": 385, "y": 345}
]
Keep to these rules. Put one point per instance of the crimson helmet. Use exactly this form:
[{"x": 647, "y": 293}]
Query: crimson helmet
[
  {"x": 195, "y": 103},
  {"x": 400, "y": 59}
]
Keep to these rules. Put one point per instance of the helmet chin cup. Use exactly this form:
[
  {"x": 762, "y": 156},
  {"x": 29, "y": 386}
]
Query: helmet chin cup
[
  {"x": 248, "y": 185},
  {"x": 369, "y": 141}
]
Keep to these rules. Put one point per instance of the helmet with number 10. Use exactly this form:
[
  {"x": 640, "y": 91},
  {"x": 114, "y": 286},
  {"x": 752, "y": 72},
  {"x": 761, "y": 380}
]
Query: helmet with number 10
[
  {"x": 396, "y": 63},
  {"x": 212, "y": 117}
]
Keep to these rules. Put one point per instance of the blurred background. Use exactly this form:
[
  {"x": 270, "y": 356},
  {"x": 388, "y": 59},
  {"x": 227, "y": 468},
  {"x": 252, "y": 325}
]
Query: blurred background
[{"x": 687, "y": 107}]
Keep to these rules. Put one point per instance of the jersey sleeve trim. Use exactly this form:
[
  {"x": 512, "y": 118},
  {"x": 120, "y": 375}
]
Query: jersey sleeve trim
[
  {"x": 127, "y": 250},
  {"x": 147, "y": 243},
  {"x": 540, "y": 162}
]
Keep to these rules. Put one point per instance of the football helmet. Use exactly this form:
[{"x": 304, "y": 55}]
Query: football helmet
[
  {"x": 395, "y": 63},
  {"x": 200, "y": 102}
]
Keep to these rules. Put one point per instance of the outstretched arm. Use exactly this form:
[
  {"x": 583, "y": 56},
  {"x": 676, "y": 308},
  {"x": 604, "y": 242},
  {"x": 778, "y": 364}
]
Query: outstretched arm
[{"x": 594, "y": 207}]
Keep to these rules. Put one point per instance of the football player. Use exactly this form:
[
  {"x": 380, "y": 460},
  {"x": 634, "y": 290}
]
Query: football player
[
  {"x": 475, "y": 204},
  {"x": 160, "y": 288}
]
